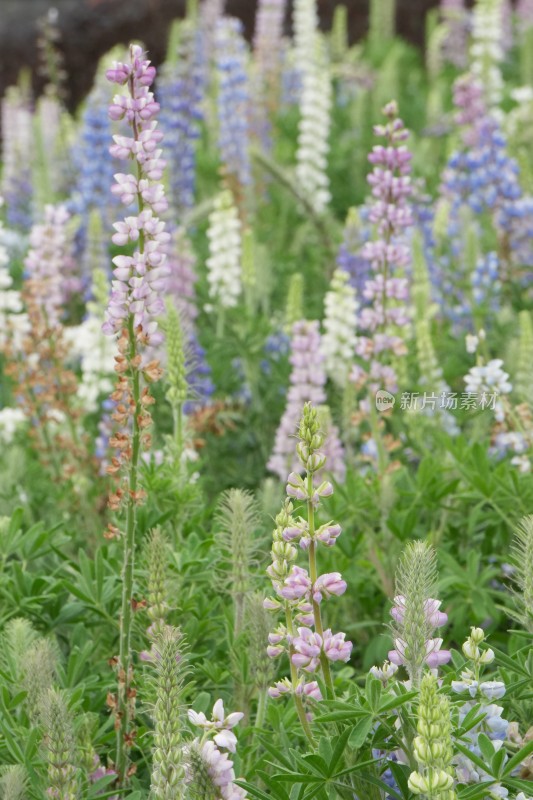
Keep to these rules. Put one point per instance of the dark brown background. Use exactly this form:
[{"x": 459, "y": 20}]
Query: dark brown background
[{"x": 91, "y": 27}]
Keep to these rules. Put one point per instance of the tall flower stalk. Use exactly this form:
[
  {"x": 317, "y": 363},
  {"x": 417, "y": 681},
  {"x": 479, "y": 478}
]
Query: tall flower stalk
[
  {"x": 133, "y": 307},
  {"x": 300, "y": 592}
]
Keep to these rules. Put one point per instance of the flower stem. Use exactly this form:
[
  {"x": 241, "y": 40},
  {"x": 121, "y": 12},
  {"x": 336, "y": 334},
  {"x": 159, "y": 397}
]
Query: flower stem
[
  {"x": 294, "y": 679},
  {"x": 125, "y": 677},
  {"x": 324, "y": 663}
]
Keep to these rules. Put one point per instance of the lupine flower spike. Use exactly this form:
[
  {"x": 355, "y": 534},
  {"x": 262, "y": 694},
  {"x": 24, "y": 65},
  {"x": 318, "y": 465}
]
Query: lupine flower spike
[
  {"x": 134, "y": 305},
  {"x": 416, "y": 614},
  {"x": 299, "y": 592}
]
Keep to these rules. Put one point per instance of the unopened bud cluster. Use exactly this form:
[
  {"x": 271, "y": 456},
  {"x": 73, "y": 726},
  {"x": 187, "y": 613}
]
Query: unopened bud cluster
[{"x": 433, "y": 745}]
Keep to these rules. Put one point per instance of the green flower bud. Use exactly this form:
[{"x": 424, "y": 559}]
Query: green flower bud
[
  {"x": 59, "y": 746},
  {"x": 168, "y": 771}
]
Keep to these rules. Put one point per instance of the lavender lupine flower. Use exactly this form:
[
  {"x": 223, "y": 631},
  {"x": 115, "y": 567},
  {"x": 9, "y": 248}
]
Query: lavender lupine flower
[
  {"x": 389, "y": 255},
  {"x": 339, "y": 337},
  {"x": 134, "y": 306},
  {"x": 307, "y": 380},
  {"x": 524, "y": 12},
  {"x": 299, "y": 592},
  {"x": 416, "y": 614},
  {"x": 454, "y": 46},
  {"x": 138, "y": 278},
  {"x": 48, "y": 260},
  {"x": 232, "y": 102},
  {"x": 181, "y": 280},
  {"x": 268, "y": 33},
  {"x": 267, "y": 49},
  {"x": 180, "y": 90}
]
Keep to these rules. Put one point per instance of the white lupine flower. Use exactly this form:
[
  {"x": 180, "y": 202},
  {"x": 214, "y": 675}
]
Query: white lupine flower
[
  {"x": 305, "y": 24},
  {"x": 486, "y": 51},
  {"x": 489, "y": 379},
  {"x": 96, "y": 352},
  {"x": 12, "y": 321},
  {"x": 224, "y": 262},
  {"x": 17, "y": 134},
  {"x": 339, "y": 338},
  {"x": 10, "y": 420},
  {"x": 384, "y": 673},
  {"x": 314, "y": 129}
]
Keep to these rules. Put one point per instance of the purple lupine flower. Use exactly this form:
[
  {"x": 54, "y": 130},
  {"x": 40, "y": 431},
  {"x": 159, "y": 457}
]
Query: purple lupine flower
[
  {"x": 470, "y": 106},
  {"x": 307, "y": 648},
  {"x": 524, "y": 12},
  {"x": 267, "y": 45},
  {"x": 434, "y": 617},
  {"x": 233, "y": 100},
  {"x": 328, "y": 585},
  {"x": 296, "y": 585},
  {"x": 386, "y": 292},
  {"x": 335, "y": 646},
  {"x": 308, "y": 380},
  {"x": 141, "y": 277},
  {"x": 455, "y": 42},
  {"x": 48, "y": 262},
  {"x": 311, "y": 690},
  {"x": 181, "y": 280},
  {"x": 181, "y": 91}
]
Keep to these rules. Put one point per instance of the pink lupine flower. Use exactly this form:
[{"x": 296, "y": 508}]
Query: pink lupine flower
[
  {"x": 307, "y": 646},
  {"x": 435, "y": 657},
  {"x": 308, "y": 380},
  {"x": 328, "y": 585},
  {"x": 140, "y": 278},
  {"x": 335, "y": 646},
  {"x": 296, "y": 585},
  {"x": 434, "y": 617},
  {"x": 311, "y": 690},
  {"x": 329, "y": 534}
]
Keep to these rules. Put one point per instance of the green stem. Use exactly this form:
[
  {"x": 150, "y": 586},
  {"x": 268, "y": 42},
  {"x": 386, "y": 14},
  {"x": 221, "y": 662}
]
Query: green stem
[
  {"x": 261, "y": 709},
  {"x": 125, "y": 676},
  {"x": 324, "y": 663},
  {"x": 294, "y": 680},
  {"x": 220, "y": 322},
  {"x": 126, "y": 615}
]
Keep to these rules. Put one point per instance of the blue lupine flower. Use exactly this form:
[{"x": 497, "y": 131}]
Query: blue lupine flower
[
  {"x": 93, "y": 162},
  {"x": 277, "y": 346},
  {"x": 233, "y": 100},
  {"x": 18, "y": 193},
  {"x": 349, "y": 257},
  {"x": 485, "y": 281},
  {"x": 180, "y": 94},
  {"x": 198, "y": 376}
]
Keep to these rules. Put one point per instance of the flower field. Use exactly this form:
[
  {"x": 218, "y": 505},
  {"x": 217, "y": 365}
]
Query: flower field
[{"x": 266, "y": 413}]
